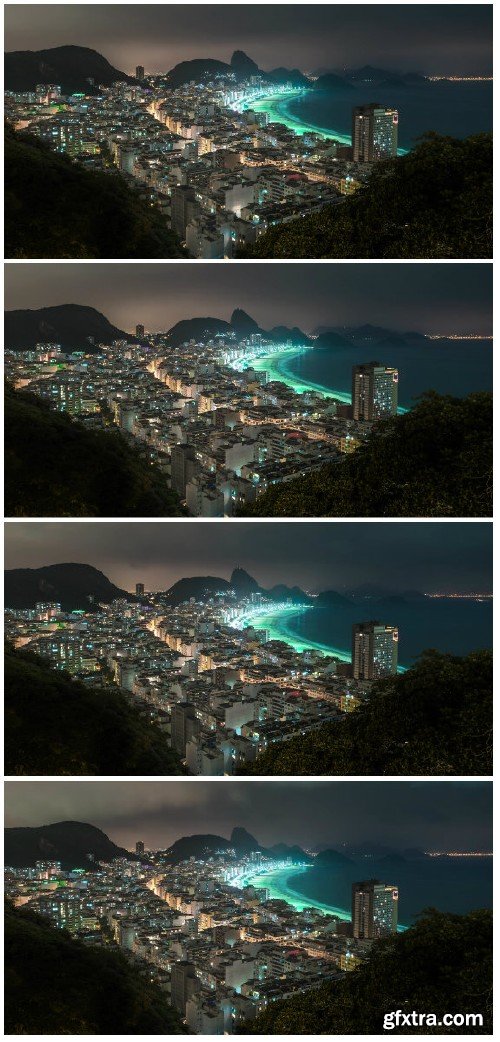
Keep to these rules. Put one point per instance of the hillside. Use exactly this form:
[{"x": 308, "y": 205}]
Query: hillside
[
  {"x": 54, "y": 208},
  {"x": 73, "y": 586},
  {"x": 199, "y": 846},
  {"x": 442, "y": 963},
  {"x": 434, "y": 202},
  {"x": 71, "y": 68},
  {"x": 204, "y": 587},
  {"x": 435, "y": 719},
  {"x": 50, "y": 468},
  {"x": 203, "y": 70},
  {"x": 73, "y": 326},
  {"x": 433, "y": 461},
  {"x": 74, "y": 843},
  {"x": 240, "y": 324},
  {"x": 57, "y": 725},
  {"x": 55, "y": 985}
]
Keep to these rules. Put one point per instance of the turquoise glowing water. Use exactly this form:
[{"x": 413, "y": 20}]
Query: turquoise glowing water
[
  {"x": 278, "y": 367},
  {"x": 279, "y": 889},
  {"x": 277, "y": 108},
  {"x": 455, "y": 885},
  {"x": 279, "y": 627}
]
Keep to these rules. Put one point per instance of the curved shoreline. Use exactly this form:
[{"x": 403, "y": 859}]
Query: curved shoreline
[
  {"x": 280, "y": 629},
  {"x": 277, "y": 366},
  {"x": 277, "y": 108}
]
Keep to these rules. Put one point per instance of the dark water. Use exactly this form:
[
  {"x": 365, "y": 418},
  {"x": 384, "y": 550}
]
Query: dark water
[
  {"x": 456, "y": 109},
  {"x": 451, "y": 626},
  {"x": 451, "y": 367},
  {"x": 456, "y": 885}
]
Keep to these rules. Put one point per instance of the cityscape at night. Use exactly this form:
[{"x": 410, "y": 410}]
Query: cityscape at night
[
  {"x": 228, "y": 668},
  {"x": 226, "y": 408},
  {"x": 288, "y": 888},
  {"x": 215, "y": 156}
]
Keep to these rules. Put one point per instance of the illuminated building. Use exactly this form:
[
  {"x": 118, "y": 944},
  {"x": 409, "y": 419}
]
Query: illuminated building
[
  {"x": 374, "y": 391},
  {"x": 63, "y": 135},
  {"x": 374, "y": 909},
  {"x": 139, "y": 847},
  {"x": 139, "y": 331},
  {"x": 374, "y": 650},
  {"x": 65, "y": 909},
  {"x": 184, "y": 984},
  {"x": 374, "y": 133},
  {"x": 139, "y": 589},
  {"x": 184, "y": 208},
  {"x": 183, "y": 467},
  {"x": 139, "y": 72}
]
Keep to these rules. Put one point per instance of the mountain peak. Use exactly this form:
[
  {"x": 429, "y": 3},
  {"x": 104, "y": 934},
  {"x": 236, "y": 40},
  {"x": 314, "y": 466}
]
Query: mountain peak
[
  {"x": 243, "y": 840},
  {"x": 241, "y": 63},
  {"x": 241, "y": 580},
  {"x": 243, "y": 323}
]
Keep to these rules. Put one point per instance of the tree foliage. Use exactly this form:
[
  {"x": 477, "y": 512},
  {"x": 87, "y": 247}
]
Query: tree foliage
[
  {"x": 55, "y": 467},
  {"x": 57, "y": 725},
  {"x": 436, "y": 201},
  {"x": 435, "y": 719},
  {"x": 55, "y": 208},
  {"x": 56, "y": 985},
  {"x": 443, "y": 964},
  {"x": 433, "y": 461}
]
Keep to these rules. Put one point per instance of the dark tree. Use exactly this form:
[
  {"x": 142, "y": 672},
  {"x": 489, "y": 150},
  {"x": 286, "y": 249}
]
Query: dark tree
[
  {"x": 56, "y": 985},
  {"x": 56, "y": 467},
  {"x": 433, "y": 461},
  {"x": 436, "y": 201},
  {"x": 55, "y": 208},
  {"x": 441, "y": 965},
  {"x": 57, "y": 725},
  {"x": 434, "y": 719}
]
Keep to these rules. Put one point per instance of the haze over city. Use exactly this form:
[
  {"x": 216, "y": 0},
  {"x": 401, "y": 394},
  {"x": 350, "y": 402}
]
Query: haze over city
[
  {"x": 442, "y": 299},
  {"x": 432, "y": 816},
  {"x": 444, "y": 557},
  {"x": 431, "y": 39}
]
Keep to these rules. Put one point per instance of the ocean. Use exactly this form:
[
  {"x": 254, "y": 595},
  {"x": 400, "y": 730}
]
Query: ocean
[
  {"x": 448, "y": 625},
  {"x": 456, "y": 109},
  {"x": 455, "y": 367},
  {"x": 456, "y": 885}
]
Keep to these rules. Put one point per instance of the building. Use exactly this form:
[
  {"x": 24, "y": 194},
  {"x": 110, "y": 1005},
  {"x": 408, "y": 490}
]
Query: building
[
  {"x": 184, "y": 726},
  {"x": 374, "y": 391},
  {"x": 374, "y": 650},
  {"x": 139, "y": 72},
  {"x": 184, "y": 208},
  {"x": 139, "y": 847},
  {"x": 139, "y": 331},
  {"x": 374, "y": 133},
  {"x": 183, "y": 467},
  {"x": 374, "y": 909},
  {"x": 62, "y": 135},
  {"x": 139, "y": 589},
  {"x": 63, "y": 907},
  {"x": 184, "y": 984}
]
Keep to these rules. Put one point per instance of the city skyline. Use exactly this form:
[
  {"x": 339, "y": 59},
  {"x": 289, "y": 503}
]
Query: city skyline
[
  {"x": 428, "y": 815},
  {"x": 435, "y": 40},
  {"x": 449, "y": 557},
  {"x": 412, "y": 297}
]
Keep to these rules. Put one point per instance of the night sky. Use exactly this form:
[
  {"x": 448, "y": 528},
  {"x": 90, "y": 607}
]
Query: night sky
[
  {"x": 431, "y": 815},
  {"x": 428, "y": 298},
  {"x": 444, "y": 556},
  {"x": 428, "y": 38}
]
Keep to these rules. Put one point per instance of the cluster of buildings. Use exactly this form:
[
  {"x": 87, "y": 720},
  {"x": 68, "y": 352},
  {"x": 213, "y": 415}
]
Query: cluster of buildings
[
  {"x": 206, "y": 671},
  {"x": 205, "y": 411},
  {"x": 220, "y": 948},
  {"x": 221, "y": 173}
]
